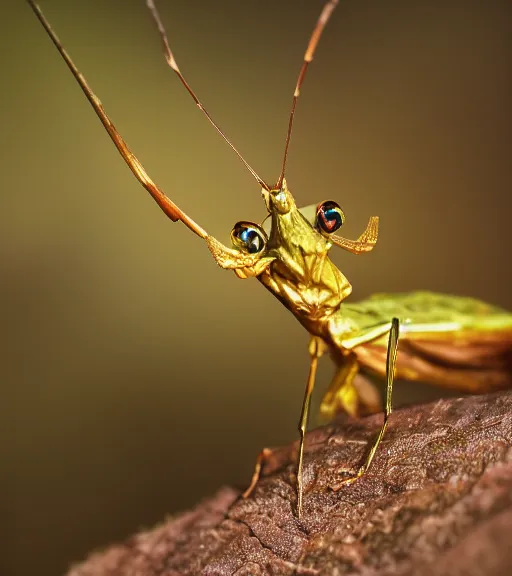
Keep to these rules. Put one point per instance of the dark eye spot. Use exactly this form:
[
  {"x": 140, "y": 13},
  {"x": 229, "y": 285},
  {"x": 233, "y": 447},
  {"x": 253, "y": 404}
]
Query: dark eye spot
[
  {"x": 329, "y": 217},
  {"x": 248, "y": 237}
]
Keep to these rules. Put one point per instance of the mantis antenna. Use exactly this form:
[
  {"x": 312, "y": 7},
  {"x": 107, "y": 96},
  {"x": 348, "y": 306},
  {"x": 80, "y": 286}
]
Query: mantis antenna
[
  {"x": 174, "y": 65},
  {"x": 308, "y": 56}
]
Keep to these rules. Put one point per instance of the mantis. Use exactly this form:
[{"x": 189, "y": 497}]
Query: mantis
[{"x": 450, "y": 341}]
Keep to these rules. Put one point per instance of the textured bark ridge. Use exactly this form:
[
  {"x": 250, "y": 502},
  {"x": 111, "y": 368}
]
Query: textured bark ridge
[{"x": 437, "y": 500}]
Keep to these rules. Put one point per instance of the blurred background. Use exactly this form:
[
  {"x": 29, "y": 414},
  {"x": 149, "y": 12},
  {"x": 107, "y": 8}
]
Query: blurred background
[{"x": 136, "y": 376}]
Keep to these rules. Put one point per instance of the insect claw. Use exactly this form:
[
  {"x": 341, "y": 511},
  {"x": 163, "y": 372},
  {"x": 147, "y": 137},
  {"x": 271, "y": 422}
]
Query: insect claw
[{"x": 350, "y": 480}]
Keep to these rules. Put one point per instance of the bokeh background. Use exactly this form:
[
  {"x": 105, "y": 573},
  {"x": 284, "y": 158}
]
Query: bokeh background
[{"x": 136, "y": 376}]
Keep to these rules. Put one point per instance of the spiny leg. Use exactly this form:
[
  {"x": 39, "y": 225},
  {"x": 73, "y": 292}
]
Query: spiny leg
[
  {"x": 316, "y": 349},
  {"x": 390, "y": 374}
]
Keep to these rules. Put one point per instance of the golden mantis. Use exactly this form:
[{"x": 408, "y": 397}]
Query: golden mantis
[{"x": 450, "y": 341}]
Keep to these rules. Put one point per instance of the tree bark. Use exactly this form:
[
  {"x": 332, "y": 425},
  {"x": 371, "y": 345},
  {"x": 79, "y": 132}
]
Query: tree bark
[{"x": 436, "y": 500}]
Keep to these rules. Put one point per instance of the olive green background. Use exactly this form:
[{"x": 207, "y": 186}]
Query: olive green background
[{"x": 136, "y": 376}]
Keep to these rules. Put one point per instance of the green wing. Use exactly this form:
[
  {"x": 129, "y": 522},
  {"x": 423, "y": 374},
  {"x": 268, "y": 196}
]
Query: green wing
[{"x": 427, "y": 312}]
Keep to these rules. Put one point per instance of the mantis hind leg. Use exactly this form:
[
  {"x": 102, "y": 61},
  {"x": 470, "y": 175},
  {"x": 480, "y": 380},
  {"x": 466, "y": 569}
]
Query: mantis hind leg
[
  {"x": 349, "y": 392},
  {"x": 390, "y": 374}
]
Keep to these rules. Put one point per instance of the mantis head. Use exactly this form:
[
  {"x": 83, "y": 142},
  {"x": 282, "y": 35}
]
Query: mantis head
[{"x": 288, "y": 234}]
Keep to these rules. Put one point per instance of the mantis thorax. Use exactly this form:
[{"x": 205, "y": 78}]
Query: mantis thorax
[{"x": 301, "y": 275}]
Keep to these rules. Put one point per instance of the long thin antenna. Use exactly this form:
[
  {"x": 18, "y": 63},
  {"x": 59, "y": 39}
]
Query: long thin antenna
[
  {"x": 173, "y": 64},
  {"x": 308, "y": 56}
]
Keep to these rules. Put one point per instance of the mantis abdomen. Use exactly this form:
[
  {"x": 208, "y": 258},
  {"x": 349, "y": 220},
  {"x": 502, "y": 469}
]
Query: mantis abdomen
[{"x": 450, "y": 341}]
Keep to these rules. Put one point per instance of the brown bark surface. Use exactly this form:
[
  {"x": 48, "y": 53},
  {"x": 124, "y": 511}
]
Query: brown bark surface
[{"x": 437, "y": 500}]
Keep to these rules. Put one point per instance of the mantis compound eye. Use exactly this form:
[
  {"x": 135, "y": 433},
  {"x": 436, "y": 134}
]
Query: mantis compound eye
[
  {"x": 248, "y": 237},
  {"x": 329, "y": 217}
]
